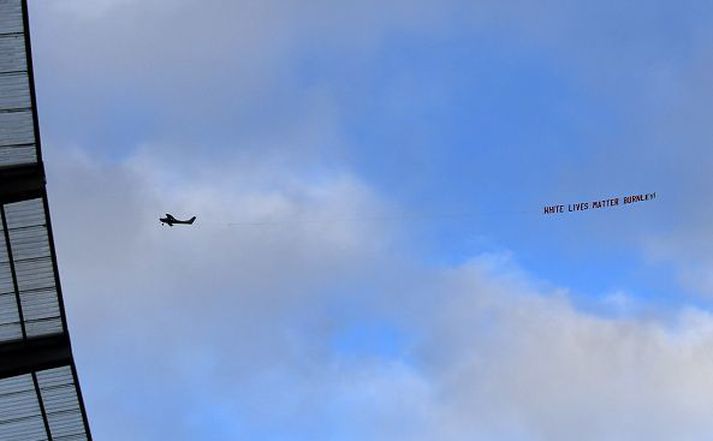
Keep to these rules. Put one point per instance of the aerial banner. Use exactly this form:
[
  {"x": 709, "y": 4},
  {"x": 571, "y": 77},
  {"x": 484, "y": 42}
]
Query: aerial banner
[{"x": 598, "y": 204}]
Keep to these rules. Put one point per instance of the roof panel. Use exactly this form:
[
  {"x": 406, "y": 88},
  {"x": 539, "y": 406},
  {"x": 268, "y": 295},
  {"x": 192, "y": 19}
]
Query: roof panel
[
  {"x": 20, "y": 414},
  {"x": 5, "y": 274},
  {"x": 17, "y": 135},
  {"x": 29, "y": 243},
  {"x": 43, "y": 326},
  {"x": 5, "y": 277},
  {"x": 16, "y": 128},
  {"x": 21, "y": 407},
  {"x": 20, "y": 400},
  {"x": 34, "y": 268},
  {"x": 59, "y": 395},
  {"x": 42, "y": 316},
  {"x": 32, "y": 429},
  {"x": 37, "y": 405},
  {"x": 9, "y": 318},
  {"x": 18, "y": 155},
  {"x": 8, "y": 308},
  {"x": 10, "y": 16},
  {"x": 10, "y": 328},
  {"x": 10, "y": 331},
  {"x": 13, "y": 57},
  {"x": 34, "y": 273},
  {"x": 14, "y": 91},
  {"x": 41, "y": 304},
  {"x": 27, "y": 213}
]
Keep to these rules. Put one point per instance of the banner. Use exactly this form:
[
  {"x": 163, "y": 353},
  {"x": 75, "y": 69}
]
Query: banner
[{"x": 598, "y": 204}]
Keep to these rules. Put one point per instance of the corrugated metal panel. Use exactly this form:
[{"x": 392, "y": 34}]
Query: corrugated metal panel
[
  {"x": 24, "y": 214},
  {"x": 17, "y": 137},
  {"x": 21, "y": 405},
  {"x": 10, "y": 328},
  {"x": 14, "y": 91},
  {"x": 16, "y": 128},
  {"x": 59, "y": 395},
  {"x": 32, "y": 259},
  {"x": 34, "y": 274},
  {"x": 12, "y": 53},
  {"x": 20, "y": 414},
  {"x": 10, "y": 16},
  {"x": 41, "y": 312},
  {"x": 34, "y": 271},
  {"x": 18, "y": 155}
]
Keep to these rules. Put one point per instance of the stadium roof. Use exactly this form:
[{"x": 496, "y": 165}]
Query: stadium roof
[{"x": 40, "y": 397}]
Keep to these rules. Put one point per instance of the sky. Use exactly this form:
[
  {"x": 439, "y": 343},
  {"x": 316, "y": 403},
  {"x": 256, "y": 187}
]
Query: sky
[{"x": 370, "y": 259}]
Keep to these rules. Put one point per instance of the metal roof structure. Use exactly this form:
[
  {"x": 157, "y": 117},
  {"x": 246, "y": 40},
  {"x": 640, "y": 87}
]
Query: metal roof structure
[{"x": 40, "y": 398}]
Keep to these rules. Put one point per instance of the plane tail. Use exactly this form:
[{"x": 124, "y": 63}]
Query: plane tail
[{"x": 191, "y": 220}]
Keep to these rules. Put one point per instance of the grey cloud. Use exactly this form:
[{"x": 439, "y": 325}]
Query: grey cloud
[{"x": 191, "y": 54}]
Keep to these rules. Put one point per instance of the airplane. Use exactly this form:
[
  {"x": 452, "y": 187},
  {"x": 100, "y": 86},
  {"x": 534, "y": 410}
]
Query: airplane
[{"x": 170, "y": 220}]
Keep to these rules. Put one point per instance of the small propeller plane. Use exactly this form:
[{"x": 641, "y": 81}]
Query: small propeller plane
[{"x": 170, "y": 220}]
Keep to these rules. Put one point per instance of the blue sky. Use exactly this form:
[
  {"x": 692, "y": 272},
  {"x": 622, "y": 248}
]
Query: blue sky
[{"x": 390, "y": 275}]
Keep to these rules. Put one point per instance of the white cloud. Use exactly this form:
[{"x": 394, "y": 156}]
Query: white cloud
[
  {"x": 179, "y": 331},
  {"x": 522, "y": 364},
  {"x": 211, "y": 301}
]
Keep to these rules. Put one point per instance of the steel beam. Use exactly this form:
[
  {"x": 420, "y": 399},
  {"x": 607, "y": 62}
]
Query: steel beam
[{"x": 34, "y": 354}]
